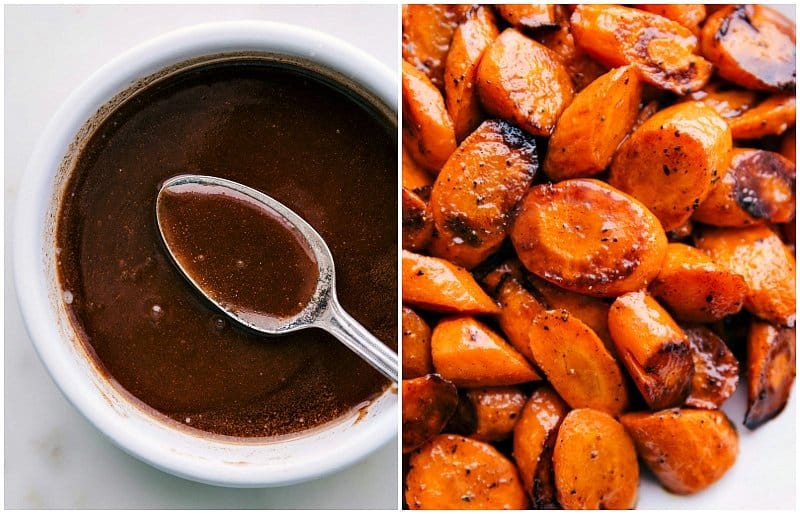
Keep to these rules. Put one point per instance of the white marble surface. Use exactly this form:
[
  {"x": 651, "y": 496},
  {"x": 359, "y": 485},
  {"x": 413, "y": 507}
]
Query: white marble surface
[{"x": 53, "y": 457}]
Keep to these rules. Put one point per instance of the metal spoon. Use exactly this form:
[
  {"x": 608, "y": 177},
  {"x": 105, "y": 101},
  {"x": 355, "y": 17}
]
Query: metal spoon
[{"x": 323, "y": 309}]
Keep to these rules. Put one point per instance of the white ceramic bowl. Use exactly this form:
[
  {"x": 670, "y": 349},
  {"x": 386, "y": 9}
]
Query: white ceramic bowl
[{"x": 183, "y": 452}]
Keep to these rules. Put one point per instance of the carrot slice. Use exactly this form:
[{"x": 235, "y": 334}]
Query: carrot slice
[
  {"x": 528, "y": 16},
  {"x": 789, "y": 145},
  {"x": 687, "y": 449},
  {"x": 594, "y": 462},
  {"x": 585, "y": 236},
  {"x": 496, "y": 411},
  {"x": 716, "y": 370},
  {"x": 524, "y": 81},
  {"x": 534, "y": 438},
  {"x": 428, "y": 402},
  {"x": 660, "y": 49},
  {"x": 417, "y": 221},
  {"x": 653, "y": 348},
  {"x": 468, "y": 353},
  {"x": 415, "y": 178},
  {"x": 518, "y": 307},
  {"x": 592, "y": 126},
  {"x": 477, "y": 189},
  {"x": 438, "y": 285},
  {"x": 768, "y": 268},
  {"x": 416, "y": 345},
  {"x": 690, "y": 16},
  {"x": 771, "y": 368},
  {"x": 461, "y": 95},
  {"x": 671, "y": 161},
  {"x": 772, "y": 116},
  {"x": 696, "y": 289},
  {"x": 455, "y": 472},
  {"x": 577, "y": 363},
  {"x": 428, "y": 132},
  {"x": 427, "y": 32}
]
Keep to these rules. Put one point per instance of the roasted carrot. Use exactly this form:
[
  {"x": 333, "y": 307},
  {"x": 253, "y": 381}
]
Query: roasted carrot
[
  {"x": 496, "y": 411},
  {"x": 729, "y": 103},
  {"x": 428, "y": 402},
  {"x": 594, "y": 462},
  {"x": 576, "y": 363},
  {"x": 470, "y": 354},
  {"x": 438, "y": 285},
  {"x": 525, "y": 82},
  {"x": 416, "y": 345},
  {"x": 427, "y": 31},
  {"x": 671, "y": 161},
  {"x": 478, "y": 188},
  {"x": 716, "y": 370},
  {"x": 415, "y": 178},
  {"x": 592, "y": 126},
  {"x": 771, "y": 368},
  {"x": 663, "y": 51},
  {"x": 528, "y": 16},
  {"x": 585, "y": 236},
  {"x": 771, "y": 117},
  {"x": 690, "y": 16},
  {"x": 694, "y": 288},
  {"x": 417, "y": 221},
  {"x": 456, "y": 472},
  {"x": 768, "y": 268},
  {"x": 789, "y": 145},
  {"x": 687, "y": 449},
  {"x": 653, "y": 348}
]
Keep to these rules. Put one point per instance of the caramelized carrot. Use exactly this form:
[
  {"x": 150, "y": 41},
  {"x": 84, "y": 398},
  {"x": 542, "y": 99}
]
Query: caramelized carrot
[
  {"x": 729, "y": 103},
  {"x": 690, "y": 16},
  {"x": 528, "y": 16},
  {"x": 417, "y": 221},
  {"x": 716, "y": 370},
  {"x": 416, "y": 345},
  {"x": 428, "y": 402},
  {"x": 427, "y": 31},
  {"x": 772, "y": 116},
  {"x": 771, "y": 368},
  {"x": 518, "y": 307},
  {"x": 415, "y": 178},
  {"x": 497, "y": 410}
]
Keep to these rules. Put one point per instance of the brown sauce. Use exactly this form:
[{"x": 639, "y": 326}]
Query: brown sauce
[
  {"x": 244, "y": 256},
  {"x": 330, "y": 158}
]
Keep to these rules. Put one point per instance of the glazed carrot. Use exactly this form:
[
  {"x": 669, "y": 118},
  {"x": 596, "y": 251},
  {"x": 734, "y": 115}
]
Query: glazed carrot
[
  {"x": 696, "y": 289},
  {"x": 771, "y": 367},
  {"x": 428, "y": 402},
  {"x": 662, "y": 50},
  {"x": 415, "y": 178},
  {"x": 588, "y": 132},
  {"x": 428, "y": 132},
  {"x": 645, "y": 113},
  {"x": 528, "y": 16},
  {"x": 577, "y": 363},
  {"x": 416, "y": 345},
  {"x": 768, "y": 268},
  {"x": 758, "y": 187},
  {"x": 456, "y": 472},
  {"x": 772, "y": 116},
  {"x": 594, "y": 463},
  {"x": 587, "y": 237},
  {"x": 750, "y": 46},
  {"x": 687, "y": 449},
  {"x": 461, "y": 95},
  {"x": 496, "y": 411},
  {"x": 670, "y": 162},
  {"x": 729, "y": 103},
  {"x": 468, "y": 353},
  {"x": 653, "y": 348},
  {"x": 417, "y": 221},
  {"x": 478, "y": 188},
  {"x": 437, "y": 285},
  {"x": 789, "y": 145},
  {"x": 716, "y": 370},
  {"x": 427, "y": 31},
  {"x": 534, "y": 438},
  {"x": 525, "y": 82},
  {"x": 690, "y": 16}
]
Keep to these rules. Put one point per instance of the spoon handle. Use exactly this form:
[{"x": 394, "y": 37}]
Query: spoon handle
[{"x": 360, "y": 340}]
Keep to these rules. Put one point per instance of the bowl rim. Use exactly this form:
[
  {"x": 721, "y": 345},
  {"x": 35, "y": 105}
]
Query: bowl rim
[{"x": 30, "y": 254}]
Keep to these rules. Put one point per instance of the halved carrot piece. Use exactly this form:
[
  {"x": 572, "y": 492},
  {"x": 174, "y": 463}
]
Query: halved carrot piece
[
  {"x": 427, "y": 31},
  {"x": 577, "y": 363},
  {"x": 417, "y": 221},
  {"x": 653, "y": 348},
  {"x": 518, "y": 307},
  {"x": 585, "y": 236},
  {"x": 690, "y": 16},
  {"x": 428, "y": 132},
  {"x": 729, "y": 103},
  {"x": 415, "y": 178},
  {"x": 671, "y": 161},
  {"x": 416, "y": 345},
  {"x": 687, "y": 449},
  {"x": 428, "y": 402},
  {"x": 525, "y": 82},
  {"x": 594, "y": 462},
  {"x": 438, "y": 285},
  {"x": 496, "y": 411},
  {"x": 768, "y": 268},
  {"x": 461, "y": 94},
  {"x": 477, "y": 190},
  {"x": 694, "y": 288},
  {"x": 528, "y": 16},
  {"x": 771, "y": 368},
  {"x": 758, "y": 187},
  {"x": 662, "y": 50},
  {"x": 592, "y": 126},
  {"x": 470, "y": 354},
  {"x": 716, "y": 370},
  {"x": 534, "y": 438},
  {"x": 456, "y": 472},
  {"x": 771, "y": 117},
  {"x": 750, "y": 46}
]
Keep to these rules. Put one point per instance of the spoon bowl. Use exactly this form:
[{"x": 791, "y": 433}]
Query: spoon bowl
[{"x": 322, "y": 310}]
